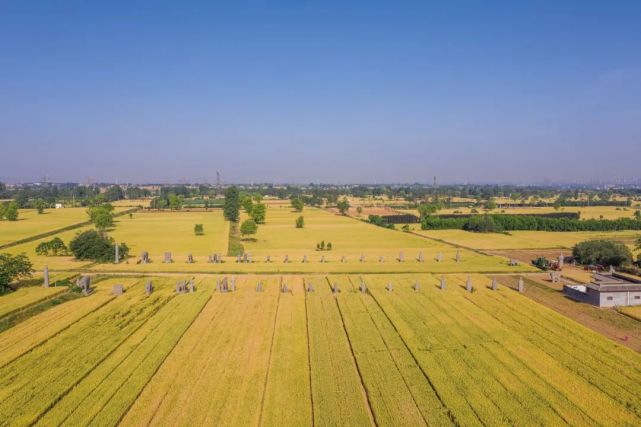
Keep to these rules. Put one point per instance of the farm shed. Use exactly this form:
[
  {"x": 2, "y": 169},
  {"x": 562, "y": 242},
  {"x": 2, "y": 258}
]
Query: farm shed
[{"x": 607, "y": 290}]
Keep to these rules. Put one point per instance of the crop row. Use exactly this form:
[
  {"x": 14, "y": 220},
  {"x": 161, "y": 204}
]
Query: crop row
[{"x": 33, "y": 383}]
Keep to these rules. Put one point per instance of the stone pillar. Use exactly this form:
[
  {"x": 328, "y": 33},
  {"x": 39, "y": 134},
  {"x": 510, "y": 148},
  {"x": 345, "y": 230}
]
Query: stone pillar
[
  {"x": 46, "y": 276},
  {"x": 443, "y": 282},
  {"x": 468, "y": 284},
  {"x": 521, "y": 285},
  {"x": 494, "y": 284}
]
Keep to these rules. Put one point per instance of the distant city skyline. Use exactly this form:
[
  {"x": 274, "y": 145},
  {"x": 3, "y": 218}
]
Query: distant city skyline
[{"x": 331, "y": 92}]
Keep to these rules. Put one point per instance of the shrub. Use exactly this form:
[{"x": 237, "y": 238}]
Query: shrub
[
  {"x": 199, "y": 230},
  {"x": 300, "y": 222}
]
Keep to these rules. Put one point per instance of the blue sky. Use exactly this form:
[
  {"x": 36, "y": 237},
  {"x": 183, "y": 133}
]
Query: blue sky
[{"x": 320, "y": 91}]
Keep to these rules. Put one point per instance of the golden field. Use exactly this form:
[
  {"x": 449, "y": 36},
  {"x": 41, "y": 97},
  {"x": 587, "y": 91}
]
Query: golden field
[{"x": 400, "y": 357}]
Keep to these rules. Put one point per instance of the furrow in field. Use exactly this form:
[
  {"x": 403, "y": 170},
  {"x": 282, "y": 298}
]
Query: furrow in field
[
  {"x": 104, "y": 395},
  {"x": 287, "y": 399},
  {"x": 336, "y": 386},
  {"x": 33, "y": 383}
]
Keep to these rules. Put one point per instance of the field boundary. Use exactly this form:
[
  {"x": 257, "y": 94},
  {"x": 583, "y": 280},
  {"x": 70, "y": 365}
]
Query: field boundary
[
  {"x": 269, "y": 360},
  {"x": 59, "y": 230}
]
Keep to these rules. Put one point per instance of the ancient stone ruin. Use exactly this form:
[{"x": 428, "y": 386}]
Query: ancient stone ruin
[
  {"x": 390, "y": 287},
  {"x": 192, "y": 288},
  {"x": 283, "y": 288},
  {"x": 322, "y": 260},
  {"x": 458, "y": 255},
  {"x": 401, "y": 257},
  {"x": 417, "y": 286},
  {"x": 381, "y": 259},
  {"x": 439, "y": 257},
  {"x": 268, "y": 259},
  {"x": 363, "y": 287},
  {"x": 495, "y": 284},
  {"x": 286, "y": 260},
  {"x": 442, "y": 282},
  {"x": 521, "y": 285},
  {"x": 335, "y": 288},
  {"x": 167, "y": 259},
  {"x": 561, "y": 260},
  {"x": 144, "y": 257},
  {"x": 118, "y": 289},
  {"x": 259, "y": 287},
  {"x": 468, "y": 284},
  {"x": 310, "y": 287},
  {"x": 420, "y": 258},
  {"x": 190, "y": 259},
  {"x": 513, "y": 262},
  {"x": 304, "y": 259},
  {"x": 361, "y": 258},
  {"x": 555, "y": 276},
  {"x": 149, "y": 287},
  {"x": 232, "y": 287},
  {"x": 343, "y": 259},
  {"x": 84, "y": 283}
]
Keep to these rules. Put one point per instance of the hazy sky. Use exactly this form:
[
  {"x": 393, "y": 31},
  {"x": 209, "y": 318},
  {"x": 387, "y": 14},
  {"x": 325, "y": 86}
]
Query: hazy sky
[{"x": 304, "y": 91}]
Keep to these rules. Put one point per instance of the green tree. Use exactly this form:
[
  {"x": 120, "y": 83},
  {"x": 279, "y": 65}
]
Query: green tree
[
  {"x": 490, "y": 204},
  {"x": 637, "y": 215},
  {"x": 231, "y": 207},
  {"x": 101, "y": 216},
  {"x": 175, "y": 201},
  {"x": 300, "y": 222},
  {"x": 359, "y": 210},
  {"x": 258, "y": 212},
  {"x": 3, "y": 209},
  {"x": 343, "y": 206},
  {"x": 96, "y": 246},
  {"x": 54, "y": 247},
  {"x": 11, "y": 211},
  {"x": 199, "y": 230},
  {"x": 13, "y": 267},
  {"x": 248, "y": 227},
  {"x": 329, "y": 246},
  {"x": 40, "y": 205},
  {"x": 297, "y": 204},
  {"x": 603, "y": 252},
  {"x": 246, "y": 202}
]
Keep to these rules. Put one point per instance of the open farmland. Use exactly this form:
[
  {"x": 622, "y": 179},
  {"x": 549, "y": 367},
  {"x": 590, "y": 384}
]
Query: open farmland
[
  {"x": 30, "y": 223},
  {"x": 586, "y": 212},
  {"x": 401, "y": 357}
]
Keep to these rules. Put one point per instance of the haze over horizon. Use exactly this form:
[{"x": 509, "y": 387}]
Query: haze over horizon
[{"x": 311, "y": 92}]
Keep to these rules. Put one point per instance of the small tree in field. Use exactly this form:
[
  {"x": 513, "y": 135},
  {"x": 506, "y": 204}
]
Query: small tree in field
[
  {"x": 297, "y": 204},
  {"x": 359, "y": 210},
  {"x": 329, "y": 246},
  {"x": 300, "y": 222},
  {"x": 40, "y": 205},
  {"x": 343, "y": 206},
  {"x": 258, "y": 212},
  {"x": 248, "y": 228},
  {"x": 199, "y": 230}
]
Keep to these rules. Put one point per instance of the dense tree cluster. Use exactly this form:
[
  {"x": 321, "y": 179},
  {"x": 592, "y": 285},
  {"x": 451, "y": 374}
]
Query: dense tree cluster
[
  {"x": 13, "y": 267},
  {"x": 96, "y": 246},
  {"x": 603, "y": 252},
  {"x": 503, "y": 222}
]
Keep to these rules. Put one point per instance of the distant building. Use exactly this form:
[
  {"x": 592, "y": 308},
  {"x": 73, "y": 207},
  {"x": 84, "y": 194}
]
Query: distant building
[
  {"x": 59, "y": 206},
  {"x": 607, "y": 290}
]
